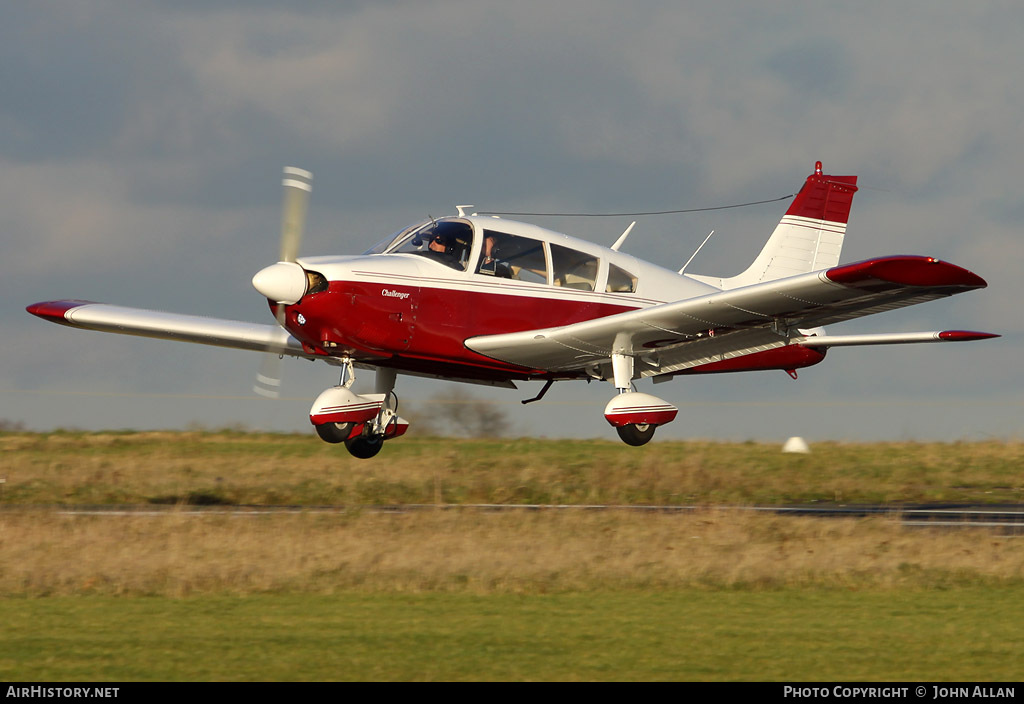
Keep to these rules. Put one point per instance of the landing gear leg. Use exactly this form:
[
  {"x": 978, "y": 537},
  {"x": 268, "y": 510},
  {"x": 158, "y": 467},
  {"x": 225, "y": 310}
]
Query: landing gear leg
[
  {"x": 348, "y": 374},
  {"x": 384, "y": 383},
  {"x": 622, "y": 372}
]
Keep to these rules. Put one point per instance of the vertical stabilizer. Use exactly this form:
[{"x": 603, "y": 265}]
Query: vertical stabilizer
[{"x": 808, "y": 238}]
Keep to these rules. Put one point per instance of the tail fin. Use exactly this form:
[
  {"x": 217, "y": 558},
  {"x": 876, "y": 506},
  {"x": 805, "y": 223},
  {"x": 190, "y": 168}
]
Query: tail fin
[{"x": 808, "y": 238}]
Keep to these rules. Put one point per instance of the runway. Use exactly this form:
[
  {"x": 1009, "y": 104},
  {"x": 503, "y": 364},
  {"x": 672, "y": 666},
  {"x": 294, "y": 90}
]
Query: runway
[{"x": 1007, "y": 519}]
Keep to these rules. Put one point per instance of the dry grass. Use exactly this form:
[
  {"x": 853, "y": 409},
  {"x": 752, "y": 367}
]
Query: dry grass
[
  {"x": 468, "y": 550},
  {"x": 177, "y": 554}
]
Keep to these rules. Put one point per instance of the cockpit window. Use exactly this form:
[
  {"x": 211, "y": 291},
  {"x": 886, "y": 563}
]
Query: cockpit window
[
  {"x": 513, "y": 257},
  {"x": 620, "y": 280},
  {"x": 446, "y": 241},
  {"x": 386, "y": 243},
  {"x": 573, "y": 269}
]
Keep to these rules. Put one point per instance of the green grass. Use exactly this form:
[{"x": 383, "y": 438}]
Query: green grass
[
  {"x": 471, "y": 595},
  {"x": 969, "y": 634},
  {"x": 261, "y": 468}
]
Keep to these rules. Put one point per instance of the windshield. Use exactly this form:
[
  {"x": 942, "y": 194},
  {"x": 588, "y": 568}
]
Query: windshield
[
  {"x": 446, "y": 241},
  {"x": 386, "y": 243}
]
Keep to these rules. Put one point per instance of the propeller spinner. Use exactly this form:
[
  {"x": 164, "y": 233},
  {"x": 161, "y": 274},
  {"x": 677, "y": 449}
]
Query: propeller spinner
[{"x": 283, "y": 283}]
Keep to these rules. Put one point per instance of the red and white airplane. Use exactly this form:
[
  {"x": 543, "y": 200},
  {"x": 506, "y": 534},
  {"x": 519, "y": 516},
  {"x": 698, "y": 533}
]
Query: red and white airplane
[{"x": 491, "y": 301}]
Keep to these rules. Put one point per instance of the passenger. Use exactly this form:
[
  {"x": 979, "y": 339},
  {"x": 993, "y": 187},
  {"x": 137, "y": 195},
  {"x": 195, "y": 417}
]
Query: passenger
[
  {"x": 488, "y": 261},
  {"x": 489, "y": 249}
]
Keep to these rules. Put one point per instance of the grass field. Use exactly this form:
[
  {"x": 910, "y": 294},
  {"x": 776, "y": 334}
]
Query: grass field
[
  {"x": 471, "y": 551},
  {"x": 230, "y": 467},
  {"x": 968, "y": 634},
  {"x": 470, "y": 594}
]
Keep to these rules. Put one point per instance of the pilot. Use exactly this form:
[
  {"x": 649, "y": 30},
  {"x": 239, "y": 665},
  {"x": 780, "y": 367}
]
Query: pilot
[
  {"x": 449, "y": 249},
  {"x": 439, "y": 244}
]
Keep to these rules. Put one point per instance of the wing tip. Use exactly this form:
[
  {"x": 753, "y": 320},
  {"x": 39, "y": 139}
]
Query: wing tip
[
  {"x": 965, "y": 335},
  {"x": 905, "y": 270},
  {"x": 55, "y": 311}
]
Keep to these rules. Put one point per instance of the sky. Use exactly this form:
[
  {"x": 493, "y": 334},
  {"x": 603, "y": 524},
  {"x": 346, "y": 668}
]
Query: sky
[{"x": 141, "y": 147}]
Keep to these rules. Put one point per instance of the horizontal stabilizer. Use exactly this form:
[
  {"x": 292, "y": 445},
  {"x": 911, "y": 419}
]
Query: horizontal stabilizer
[{"x": 893, "y": 338}]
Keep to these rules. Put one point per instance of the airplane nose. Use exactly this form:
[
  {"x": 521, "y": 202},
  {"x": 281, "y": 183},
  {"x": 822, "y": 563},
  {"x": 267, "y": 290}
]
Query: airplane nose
[{"x": 284, "y": 282}]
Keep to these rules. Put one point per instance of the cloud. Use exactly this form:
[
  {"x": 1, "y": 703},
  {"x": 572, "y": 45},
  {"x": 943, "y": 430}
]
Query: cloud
[{"x": 62, "y": 219}]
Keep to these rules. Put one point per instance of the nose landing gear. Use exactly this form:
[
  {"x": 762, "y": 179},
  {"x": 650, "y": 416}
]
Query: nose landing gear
[{"x": 362, "y": 421}]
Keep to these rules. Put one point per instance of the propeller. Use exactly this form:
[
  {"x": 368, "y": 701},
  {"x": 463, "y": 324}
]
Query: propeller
[
  {"x": 284, "y": 282},
  {"x": 298, "y": 183}
]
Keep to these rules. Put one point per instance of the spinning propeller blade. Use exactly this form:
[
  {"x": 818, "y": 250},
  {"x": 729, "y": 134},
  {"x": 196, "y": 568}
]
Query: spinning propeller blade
[
  {"x": 298, "y": 183},
  {"x": 268, "y": 378}
]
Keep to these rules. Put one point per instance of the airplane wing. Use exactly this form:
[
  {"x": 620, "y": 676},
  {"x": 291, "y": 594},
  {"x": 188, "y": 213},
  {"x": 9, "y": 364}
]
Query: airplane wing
[
  {"x": 170, "y": 326},
  {"x": 672, "y": 337}
]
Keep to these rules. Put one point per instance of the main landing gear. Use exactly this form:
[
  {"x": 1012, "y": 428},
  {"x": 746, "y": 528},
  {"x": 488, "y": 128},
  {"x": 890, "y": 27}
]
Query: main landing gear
[
  {"x": 635, "y": 415},
  {"x": 362, "y": 421},
  {"x": 636, "y": 434}
]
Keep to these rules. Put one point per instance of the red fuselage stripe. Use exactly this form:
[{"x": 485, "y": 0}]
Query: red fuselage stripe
[{"x": 426, "y": 329}]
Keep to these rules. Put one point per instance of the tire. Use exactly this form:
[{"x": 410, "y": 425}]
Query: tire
[
  {"x": 364, "y": 446},
  {"x": 334, "y": 432},
  {"x": 636, "y": 434}
]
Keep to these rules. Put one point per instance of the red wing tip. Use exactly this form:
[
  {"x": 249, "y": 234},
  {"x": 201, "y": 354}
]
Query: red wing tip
[
  {"x": 965, "y": 335},
  {"x": 54, "y": 310},
  {"x": 906, "y": 270}
]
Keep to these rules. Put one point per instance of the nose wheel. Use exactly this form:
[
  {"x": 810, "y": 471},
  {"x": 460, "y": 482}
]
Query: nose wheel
[
  {"x": 334, "y": 432},
  {"x": 362, "y": 421}
]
